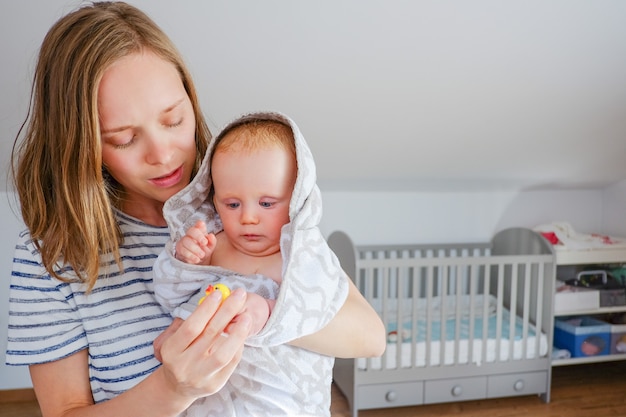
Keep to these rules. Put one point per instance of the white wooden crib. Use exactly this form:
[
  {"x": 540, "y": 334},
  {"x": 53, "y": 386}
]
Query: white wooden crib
[{"x": 464, "y": 321}]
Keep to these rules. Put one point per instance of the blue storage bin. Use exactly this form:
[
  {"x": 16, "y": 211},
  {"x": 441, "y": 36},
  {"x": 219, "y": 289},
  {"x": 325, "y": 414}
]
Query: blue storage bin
[{"x": 582, "y": 336}]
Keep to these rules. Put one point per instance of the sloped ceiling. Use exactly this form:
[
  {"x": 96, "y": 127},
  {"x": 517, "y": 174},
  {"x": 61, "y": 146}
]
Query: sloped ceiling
[{"x": 397, "y": 94}]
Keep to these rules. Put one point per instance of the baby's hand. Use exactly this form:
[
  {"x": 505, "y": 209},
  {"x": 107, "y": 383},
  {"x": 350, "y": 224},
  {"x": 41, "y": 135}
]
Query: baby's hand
[
  {"x": 260, "y": 310},
  {"x": 197, "y": 246}
]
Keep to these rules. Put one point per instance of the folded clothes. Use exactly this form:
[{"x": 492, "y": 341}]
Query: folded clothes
[{"x": 563, "y": 234}]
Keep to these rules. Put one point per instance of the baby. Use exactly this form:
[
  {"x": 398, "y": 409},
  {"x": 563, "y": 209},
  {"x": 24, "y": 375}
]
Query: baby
[{"x": 249, "y": 220}]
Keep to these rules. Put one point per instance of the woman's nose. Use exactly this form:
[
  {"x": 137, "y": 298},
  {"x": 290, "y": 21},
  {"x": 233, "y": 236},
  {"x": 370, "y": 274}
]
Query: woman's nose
[{"x": 159, "y": 149}]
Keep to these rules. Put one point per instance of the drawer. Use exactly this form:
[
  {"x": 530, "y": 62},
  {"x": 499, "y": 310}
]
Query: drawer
[
  {"x": 517, "y": 384},
  {"x": 390, "y": 395},
  {"x": 457, "y": 389}
]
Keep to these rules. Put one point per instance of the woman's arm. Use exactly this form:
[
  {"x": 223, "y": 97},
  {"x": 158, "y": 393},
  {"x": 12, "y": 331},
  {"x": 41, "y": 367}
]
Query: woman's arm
[
  {"x": 356, "y": 331},
  {"x": 197, "y": 361}
]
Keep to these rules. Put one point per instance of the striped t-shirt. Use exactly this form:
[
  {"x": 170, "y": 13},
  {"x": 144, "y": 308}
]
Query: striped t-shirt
[{"x": 117, "y": 321}]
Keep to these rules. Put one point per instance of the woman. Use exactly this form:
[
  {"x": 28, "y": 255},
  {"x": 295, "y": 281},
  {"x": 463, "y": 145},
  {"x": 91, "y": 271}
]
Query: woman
[{"x": 115, "y": 130}]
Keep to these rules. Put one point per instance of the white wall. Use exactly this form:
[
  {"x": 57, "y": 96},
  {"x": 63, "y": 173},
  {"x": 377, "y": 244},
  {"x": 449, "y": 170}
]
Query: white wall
[
  {"x": 429, "y": 217},
  {"x": 437, "y": 89},
  {"x": 393, "y": 217},
  {"x": 615, "y": 209}
]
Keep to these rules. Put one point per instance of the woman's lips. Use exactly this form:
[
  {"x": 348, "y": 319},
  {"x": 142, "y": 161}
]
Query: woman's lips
[{"x": 170, "y": 179}]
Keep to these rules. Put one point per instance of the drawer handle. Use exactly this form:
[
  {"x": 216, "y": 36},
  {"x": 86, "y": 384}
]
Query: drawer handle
[
  {"x": 519, "y": 385},
  {"x": 391, "y": 396},
  {"x": 457, "y": 390}
]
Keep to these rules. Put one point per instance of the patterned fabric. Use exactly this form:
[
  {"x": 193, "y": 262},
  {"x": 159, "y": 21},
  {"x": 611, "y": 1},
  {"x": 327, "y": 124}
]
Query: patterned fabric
[
  {"x": 273, "y": 379},
  {"x": 117, "y": 322}
]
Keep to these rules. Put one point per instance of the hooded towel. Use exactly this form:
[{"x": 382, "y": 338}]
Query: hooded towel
[{"x": 312, "y": 290}]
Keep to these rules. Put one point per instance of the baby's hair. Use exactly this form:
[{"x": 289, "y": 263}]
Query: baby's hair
[
  {"x": 256, "y": 134},
  {"x": 252, "y": 135}
]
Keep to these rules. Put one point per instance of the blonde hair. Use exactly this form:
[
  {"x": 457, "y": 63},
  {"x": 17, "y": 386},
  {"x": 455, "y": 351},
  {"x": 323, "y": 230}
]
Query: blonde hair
[
  {"x": 252, "y": 135},
  {"x": 256, "y": 134},
  {"x": 66, "y": 196}
]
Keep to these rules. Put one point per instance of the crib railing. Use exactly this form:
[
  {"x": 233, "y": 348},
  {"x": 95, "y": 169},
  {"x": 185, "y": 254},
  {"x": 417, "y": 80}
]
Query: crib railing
[
  {"x": 460, "y": 304},
  {"x": 447, "y": 305},
  {"x": 464, "y": 321}
]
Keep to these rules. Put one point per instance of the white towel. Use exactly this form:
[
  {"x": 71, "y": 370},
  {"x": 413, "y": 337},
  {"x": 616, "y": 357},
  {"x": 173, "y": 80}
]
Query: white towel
[{"x": 273, "y": 378}]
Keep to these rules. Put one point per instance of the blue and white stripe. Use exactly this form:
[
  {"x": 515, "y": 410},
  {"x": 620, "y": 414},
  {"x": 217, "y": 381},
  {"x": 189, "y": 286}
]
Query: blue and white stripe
[{"x": 117, "y": 321}]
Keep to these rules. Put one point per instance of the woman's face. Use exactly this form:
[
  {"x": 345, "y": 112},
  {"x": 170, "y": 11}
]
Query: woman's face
[{"x": 147, "y": 125}]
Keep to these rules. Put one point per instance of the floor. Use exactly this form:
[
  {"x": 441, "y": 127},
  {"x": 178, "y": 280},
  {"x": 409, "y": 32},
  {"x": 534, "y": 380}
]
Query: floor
[{"x": 595, "y": 390}]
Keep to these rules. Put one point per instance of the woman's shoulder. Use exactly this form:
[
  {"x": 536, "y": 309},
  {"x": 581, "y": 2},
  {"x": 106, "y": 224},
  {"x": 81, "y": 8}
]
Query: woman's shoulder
[
  {"x": 26, "y": 252},
  {"x": 28, "y": 268}
]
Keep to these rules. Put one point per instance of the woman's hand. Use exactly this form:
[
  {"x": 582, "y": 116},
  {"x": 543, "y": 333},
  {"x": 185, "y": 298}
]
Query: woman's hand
[{"x": 200, "y": 353}]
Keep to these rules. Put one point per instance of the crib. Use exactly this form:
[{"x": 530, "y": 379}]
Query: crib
[{"x": 464, "y": 321}]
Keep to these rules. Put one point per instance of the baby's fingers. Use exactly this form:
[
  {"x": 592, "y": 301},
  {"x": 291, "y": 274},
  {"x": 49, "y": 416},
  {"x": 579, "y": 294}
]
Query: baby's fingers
[
  {"x": 188, "y": 250},
  {"x": 198, "y": 232}
]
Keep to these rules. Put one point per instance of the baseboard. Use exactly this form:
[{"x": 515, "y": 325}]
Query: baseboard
[{"x": 17, "y": 395}]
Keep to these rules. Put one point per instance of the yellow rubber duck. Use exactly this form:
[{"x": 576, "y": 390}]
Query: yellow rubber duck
[{"x": 223, "y": 289}]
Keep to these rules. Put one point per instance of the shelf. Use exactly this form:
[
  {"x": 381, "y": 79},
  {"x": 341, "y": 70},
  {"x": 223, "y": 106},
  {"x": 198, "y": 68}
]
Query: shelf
[
  {"x": 600, "y": 310},
  {"x": 593, "y": 256},
  {"x": 590, "y": 257},
  {"x": 590, "y": 359}
]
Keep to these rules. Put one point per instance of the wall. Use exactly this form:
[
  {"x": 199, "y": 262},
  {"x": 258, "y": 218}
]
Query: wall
[
  {"x": 436, "y": 89},
  {"x": 614, "y": 198},
  {"x": 393, "y": 217},
  {"x": 397, "y": 217}
]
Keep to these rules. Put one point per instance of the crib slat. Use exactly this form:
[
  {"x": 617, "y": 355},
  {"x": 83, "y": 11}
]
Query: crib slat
[
  {"x": 485, "y": 330},
  {"x": 458, "y": 316},
  {"x": 473, "y": 278},
  {"x": 513, "y": 308},
  {"x": 430, "y": 277},
  {"x": 449, "y": 282},
  {"x": 442, "y": 317},
  {"x": 539, "y": 313},
  {"x": 528, "y": 281}
]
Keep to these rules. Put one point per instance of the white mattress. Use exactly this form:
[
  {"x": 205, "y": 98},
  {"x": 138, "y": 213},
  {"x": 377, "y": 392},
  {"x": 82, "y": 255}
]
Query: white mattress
[{"x": 456, "y": 346}]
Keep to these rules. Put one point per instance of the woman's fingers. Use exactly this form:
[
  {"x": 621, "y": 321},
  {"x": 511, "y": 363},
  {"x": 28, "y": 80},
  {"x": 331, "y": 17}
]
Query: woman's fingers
[
  {"x": 193, "y": 327},
  {"x": 203, "y": 352},
  {"x": 224, "y": 324},
  {"x": 158, "y": 342}
]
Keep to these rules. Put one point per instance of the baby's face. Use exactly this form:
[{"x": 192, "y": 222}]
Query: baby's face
[{"x": 252, "y": 195}]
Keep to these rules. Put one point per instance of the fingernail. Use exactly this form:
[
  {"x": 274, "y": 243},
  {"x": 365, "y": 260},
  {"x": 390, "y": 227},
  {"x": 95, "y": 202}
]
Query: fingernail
[
  {"x": 238, "y": 293},
  {"x": 216, "y": 295}
]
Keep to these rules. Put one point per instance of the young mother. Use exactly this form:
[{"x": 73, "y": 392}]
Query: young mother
[{"x": 114, "y": 130}]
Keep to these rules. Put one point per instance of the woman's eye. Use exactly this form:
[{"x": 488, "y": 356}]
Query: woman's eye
[
  {"x": 176, "y": 123},
  {"x": 124, "y": 144}
]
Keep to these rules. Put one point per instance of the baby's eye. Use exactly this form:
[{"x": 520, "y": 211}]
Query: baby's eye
[
  {"x": 265, "y": 204},
  {"x": 232, "y": 205}
]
